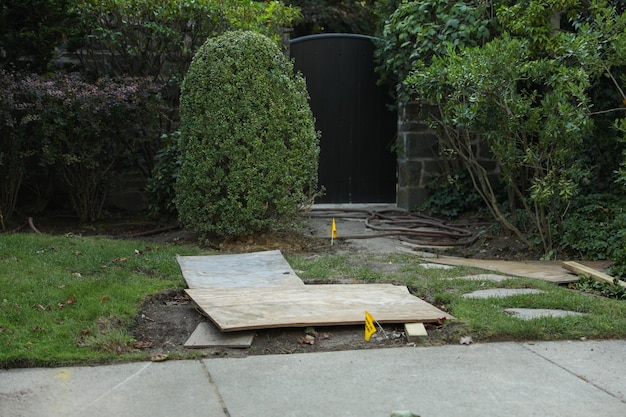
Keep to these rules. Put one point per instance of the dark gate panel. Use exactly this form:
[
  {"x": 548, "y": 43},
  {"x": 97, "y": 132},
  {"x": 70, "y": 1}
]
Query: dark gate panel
[{"x": 357, "y": 163}]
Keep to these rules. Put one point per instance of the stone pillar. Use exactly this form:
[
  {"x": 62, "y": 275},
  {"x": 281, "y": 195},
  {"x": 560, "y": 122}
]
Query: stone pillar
[
  {"x": 419, "y": 158},
  {"x": 418, "y": 154}
]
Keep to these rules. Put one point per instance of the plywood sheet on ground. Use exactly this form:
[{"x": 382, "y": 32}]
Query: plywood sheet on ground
[
  {"x": 312, "y": 305},
  {"x": 547, "y": 271},
  {"x": 207, "y": 335},
  {"x": 257, "y": 269}
]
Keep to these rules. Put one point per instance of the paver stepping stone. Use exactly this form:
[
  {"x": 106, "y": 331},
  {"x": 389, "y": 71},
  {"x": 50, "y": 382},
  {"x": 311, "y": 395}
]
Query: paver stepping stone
[
  {"x": 208, "y": 335},
  {"x": 534, "y": 313},
  {"x": 501, "y": 292},
  {"x": 485, "y": 277},
  {"x": 435, "y": 266}
]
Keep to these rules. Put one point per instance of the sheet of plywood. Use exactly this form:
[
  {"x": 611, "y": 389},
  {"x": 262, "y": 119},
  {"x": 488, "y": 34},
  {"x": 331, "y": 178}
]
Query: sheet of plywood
[
  {"x": 207, "y": 335},
  {"x": 257, "y": 269},
  {"x": 547, "y": 271},
  {"x": 312, "y": 305}
]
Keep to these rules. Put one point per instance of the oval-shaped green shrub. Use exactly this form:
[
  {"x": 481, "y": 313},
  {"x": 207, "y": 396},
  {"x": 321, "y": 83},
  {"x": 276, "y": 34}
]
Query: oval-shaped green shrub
[{"x": 249, "y": 149}]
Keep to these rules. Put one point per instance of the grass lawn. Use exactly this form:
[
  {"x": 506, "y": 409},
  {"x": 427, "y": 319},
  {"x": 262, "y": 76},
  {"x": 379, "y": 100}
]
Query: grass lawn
[
  {"x": 70, "y": 299},
  {"x": 483, "y": 319}
]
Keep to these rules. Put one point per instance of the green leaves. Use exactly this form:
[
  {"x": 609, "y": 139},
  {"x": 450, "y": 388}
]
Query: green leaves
[
  {"x": 76, "y": 131},
  {"x": 420, "y": 30},
  {"x": 158, "y": 38},
  {"x": 249, "y": 148}
]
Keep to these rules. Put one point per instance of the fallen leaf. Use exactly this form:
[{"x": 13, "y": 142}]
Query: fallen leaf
[
  {"x": 85, "y": 332},
  {"x": 323, "y": 336},
  {"x": 76, "y": 274},
  {"x": 159, "y": 357},
  {"x": 143, "y": 344},
  {"x": 104, "y": 298},
  {"x": 307, "y": 340},
  {"x": 70, "y": 300}
]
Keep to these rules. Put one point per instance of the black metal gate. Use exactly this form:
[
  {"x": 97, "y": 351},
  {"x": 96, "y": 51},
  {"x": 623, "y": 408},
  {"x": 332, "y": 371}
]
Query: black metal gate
[{"x": 357, "y": 162}]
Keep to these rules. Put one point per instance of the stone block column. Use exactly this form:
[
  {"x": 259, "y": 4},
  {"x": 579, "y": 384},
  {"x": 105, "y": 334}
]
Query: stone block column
[{"x": 418, "y": 154}]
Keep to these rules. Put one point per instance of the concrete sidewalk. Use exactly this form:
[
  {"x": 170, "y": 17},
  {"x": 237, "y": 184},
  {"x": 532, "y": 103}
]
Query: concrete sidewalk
[{"x": 566, "y": 379}]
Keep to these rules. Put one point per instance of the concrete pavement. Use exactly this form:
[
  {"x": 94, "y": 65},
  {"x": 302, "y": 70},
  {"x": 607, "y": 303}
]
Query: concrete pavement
[{"x": 568, "y": 379}]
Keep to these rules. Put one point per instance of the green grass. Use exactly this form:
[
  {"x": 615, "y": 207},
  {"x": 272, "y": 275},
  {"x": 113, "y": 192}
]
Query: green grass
[
  {"x": 70, "y": 299},
  {"x": 483, "y": 319}
]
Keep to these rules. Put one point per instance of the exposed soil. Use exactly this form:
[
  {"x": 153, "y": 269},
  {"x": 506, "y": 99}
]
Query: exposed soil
[{"x": 167, "y": 320}]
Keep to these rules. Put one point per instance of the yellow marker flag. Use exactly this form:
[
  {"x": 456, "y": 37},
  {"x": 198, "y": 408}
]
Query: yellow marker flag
[
  {"x": 333, "y": 229},
  {"x": 370, "y": 328}
]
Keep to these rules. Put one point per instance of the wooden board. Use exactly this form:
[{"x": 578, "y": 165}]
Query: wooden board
[
  {"x": 257, "y": 269},
  {"x": 312, "y": 305},
  {"x": 414, "y": 331},
  {"x": 584, "y": 270},
  {"x": 546, "y": 271},
  {"x": 207, "y": 335}
]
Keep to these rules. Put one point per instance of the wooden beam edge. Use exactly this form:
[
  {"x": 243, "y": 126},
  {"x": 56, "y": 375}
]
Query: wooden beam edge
[{"x": 586, "y": 271}]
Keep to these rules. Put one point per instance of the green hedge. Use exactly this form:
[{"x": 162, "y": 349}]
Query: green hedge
[{"x": 249, "y": 149}]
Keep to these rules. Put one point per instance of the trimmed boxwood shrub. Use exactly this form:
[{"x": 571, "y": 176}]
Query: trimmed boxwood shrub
[{"x": 249, "y": 149}]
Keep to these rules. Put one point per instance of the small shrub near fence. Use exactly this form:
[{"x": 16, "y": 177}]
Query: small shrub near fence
[{"x": 77, "y": 131}]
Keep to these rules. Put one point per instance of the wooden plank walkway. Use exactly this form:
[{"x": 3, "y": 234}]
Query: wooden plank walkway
[
  {"x": 312, "y": 305},
  {"x": 546, "y": 271}
]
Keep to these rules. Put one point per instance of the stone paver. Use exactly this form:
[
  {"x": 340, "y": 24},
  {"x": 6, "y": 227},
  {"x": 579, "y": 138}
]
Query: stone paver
[
  {"x": 485, "y": 277},
  {"x": 534, "y": 313},
  {"x": 501, "y": 292}
]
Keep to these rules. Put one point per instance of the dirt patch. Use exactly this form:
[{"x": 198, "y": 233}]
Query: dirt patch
[{"x": 167, "y": 320}]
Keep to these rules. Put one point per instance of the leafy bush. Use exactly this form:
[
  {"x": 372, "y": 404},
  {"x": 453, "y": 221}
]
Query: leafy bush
[
  {"x": 161, "y": 183},
  {"x": 332, "y": 16},
  {"x": 18, "y": 140},
  {"x": 249, "y": 148},
  {"x": 158, "y": 38},
  {"x": 533, "y": 114},
  {"x": 589, "y": 285},
  {"x": 451, "y": 195},
  {"x": 30, "y": 31},
  {"x": 526, "y": 94},
  {"x": 80, "y": 130},
  {"x": 419, "y": 30},
  {"x": 591, "y": 230}
]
